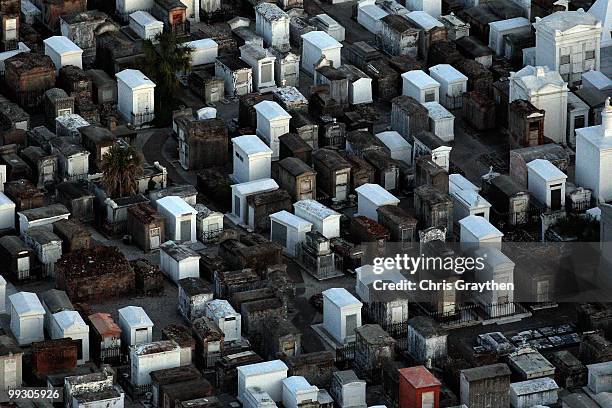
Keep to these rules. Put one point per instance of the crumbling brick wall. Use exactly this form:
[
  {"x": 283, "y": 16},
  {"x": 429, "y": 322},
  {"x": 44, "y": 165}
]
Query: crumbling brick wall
[
  {"x": 53, "y": 356},
  {"x": 90, "y": 275}
]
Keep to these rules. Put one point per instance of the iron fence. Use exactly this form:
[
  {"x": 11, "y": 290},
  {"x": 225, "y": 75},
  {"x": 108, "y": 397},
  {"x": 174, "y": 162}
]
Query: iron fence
[
  {"x": 77, "y": 177},
  {"x": 110, "y": 354},
  {"x": 139, "y": 119},
  {"x": 210, "y": 360},
  {"x": 579, "y": 206},
  {"x": 460, "y": 314},
  {"x": 452, "y": 102},
  {"x": 498, "y": 310},
  {"x": 345, "y": 355},
  {"x": 135, "y": 392},
  {"x": 210, "y": 235}
]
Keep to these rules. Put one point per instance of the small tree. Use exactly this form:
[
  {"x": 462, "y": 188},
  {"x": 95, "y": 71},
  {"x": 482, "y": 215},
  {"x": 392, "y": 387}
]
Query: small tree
[
  {"x": 120, "y": 167},
  {"x": 161, "y": 63}
]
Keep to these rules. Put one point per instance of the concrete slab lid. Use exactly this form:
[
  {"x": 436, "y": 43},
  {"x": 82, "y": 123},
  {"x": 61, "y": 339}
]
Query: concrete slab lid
[
  {"x": 62, "y": 45},
  {"x": 597, "y": 78},
  {"x": 324, "y": 398},
  {"x": 471, "y": 198},
  {"x": 26, "y": 304},
  {"x": 348, "y": 378},
  {"x": 534, "y": 386},
  {"x": 256, "y": 186},
  {"x": 297, "y": 383},
  {"x": 220, "y": 308},
  {"x": 424, "y": 20},
  {"x": 329, "y": 22},
  {"x": 144, "y": 19},
  {"x": 176, "y": 205},
  {"x": 510, "y": 23},
  {"x": 178, "y": 251},
  {"x": 251, "y": 145},
  {"x": 373, "y": 11},
  {"x": 376, "y": 194},
  {"x": 420, "y": 79},
  {"x": 480, "y": 227},
  {"x": 461, "y": 182},
  {"x": 317, "y": 209},
  {"x": 393, "y": 140},
  {"x": 321, "y": 40},
  {"x": 262, "y": 368},
  {"x": 448, "y": 72},
  {"x": 566, "y": 20},
  {"x": 72, "y": 121},
  {"x": 365, "y": 275},
  {"x": 271, "y": 110},
  {"x": 546, "y": 170},
  {"x": 436, "y": 111},
  {"x": 341, "y": 298},
  {"x": 161, "y": 346},
  {"x": 271, "y": 11},
  {"x": 202, "y": 44},
  {"x": 285, "y": 217},
  {"x": 453, "y": 20},
  {"x": 134, "y": 79},
  {"x": 70, "y": 321},
  {"x": 135, "y": 316},
  {"x": 604, "y": 368},
  {"x": 485, "y": 372},
  {"x": 535, "y": 78},
  {"x": 41, "y": 213},
  {"x": 6, "y": 202},
  {"x": 290, "y": 94},
  {"x": 251, "y": 51},
  {"x": 205, "y": 212}
]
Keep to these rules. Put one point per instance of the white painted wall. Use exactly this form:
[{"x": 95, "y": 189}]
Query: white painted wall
[
  {"x": 594, "y": 165},
  {"x": 268, "y": 376},
  {"x": 334, "y": 319},
  {"x": 360, "y": 91},
  {"x": 142, "y": 365},
  {"x": 311, "y": 54},
  {"x": 177, "y": 270},
  {"x": 329, "y": 226},
  {"x": 80, "y": 333},
  {"x": 270, "y": 131},
  {"x": 7, "y": 212}
]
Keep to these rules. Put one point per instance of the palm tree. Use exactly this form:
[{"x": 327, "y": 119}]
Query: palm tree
[
  {"x": 120, "y": 167},
  {"x": 161, "y": 62}
]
